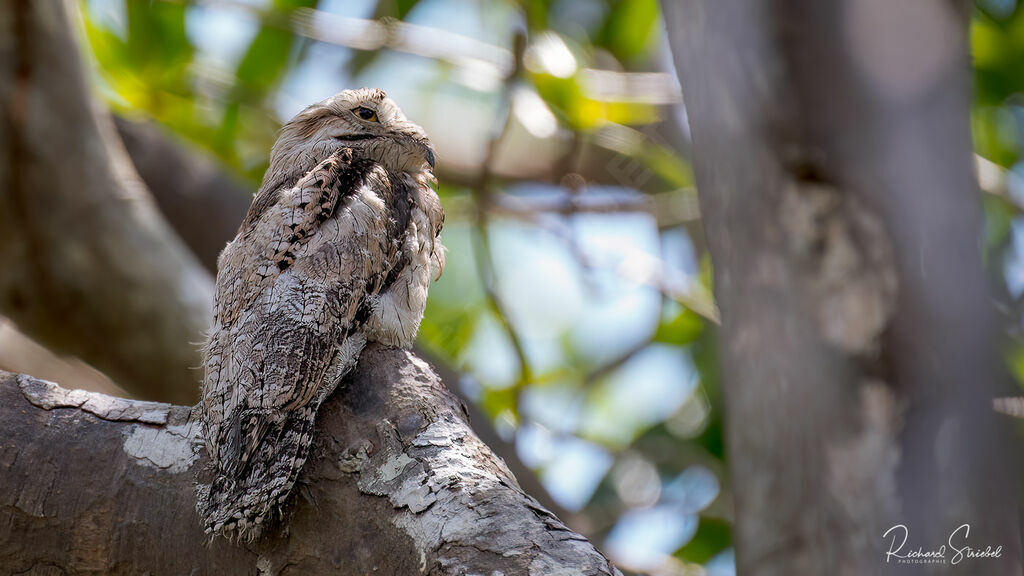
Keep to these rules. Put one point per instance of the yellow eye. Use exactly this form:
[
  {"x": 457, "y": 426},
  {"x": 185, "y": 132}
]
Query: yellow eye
[{"x": 365, "y": 114}]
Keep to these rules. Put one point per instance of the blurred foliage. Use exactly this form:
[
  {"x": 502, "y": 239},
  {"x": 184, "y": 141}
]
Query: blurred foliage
[
  {"x": 631, "y": 30},
  {"x": 151, "y": 64},
  {"x": 997, "y": 43},
  {"x": 712, "y": 537},
  {"x": 150, "y": 67}
]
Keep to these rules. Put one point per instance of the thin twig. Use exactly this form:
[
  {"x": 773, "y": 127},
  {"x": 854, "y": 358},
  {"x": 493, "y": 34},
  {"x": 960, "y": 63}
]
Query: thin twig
[
  {"x": 615, "y": 363},
  {"x": 695, "y": 298},
  {"x": 482, "y": 192},
  {"x": 658, "y": 205},
  {"x": 480, "y": 58}
]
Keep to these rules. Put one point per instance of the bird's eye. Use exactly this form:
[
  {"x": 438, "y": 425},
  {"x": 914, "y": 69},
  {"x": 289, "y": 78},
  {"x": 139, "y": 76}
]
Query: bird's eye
[{"x": 365, "y": 114}]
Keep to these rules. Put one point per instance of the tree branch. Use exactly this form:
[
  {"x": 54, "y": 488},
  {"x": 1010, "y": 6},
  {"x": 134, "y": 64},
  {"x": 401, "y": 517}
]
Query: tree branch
[
  {"x": 398, "y": 484},
  {"x": 198, "y": 198}
]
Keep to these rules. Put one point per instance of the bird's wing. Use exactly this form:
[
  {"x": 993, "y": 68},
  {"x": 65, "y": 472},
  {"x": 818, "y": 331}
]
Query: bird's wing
[
  {"x": 267, "y": 243},
  {"x": 288, "y": 299},
  {"x": 248, "y": 270}
]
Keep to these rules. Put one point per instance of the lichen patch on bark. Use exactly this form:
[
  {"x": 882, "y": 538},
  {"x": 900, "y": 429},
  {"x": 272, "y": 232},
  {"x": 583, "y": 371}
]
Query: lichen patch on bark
[
  {"x": 173, "y": 448},
  {"x": 453, "y": 497},
  {"x": 47, "y": 395},
  {"x": 844, "y": 250}
]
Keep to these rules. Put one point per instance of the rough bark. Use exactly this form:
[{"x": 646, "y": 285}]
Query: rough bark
[
  {"x": 833, "y": 158},
  {"x": 398, "y": 484},
  {"x": 78, "y": 231}
]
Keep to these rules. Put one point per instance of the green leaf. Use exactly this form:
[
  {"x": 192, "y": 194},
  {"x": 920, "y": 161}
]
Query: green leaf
[
  {"x": 536, "y": 14},
  {"x": 681, "y": 330},
  {"x": 996, "y": 137},
  {"x": 631, "y": 30},
  {"x": 446, "y": 331},
  {"x": 712, "y": 537},
  {"x": 264, "y": 63},
  {"x": 394, "y": 8},
  {"x": 999, "y": 216},
  {"x": 494, "y": 401},
  {"x": 566, "y": 97},
  {"x": 997, "y": 50},
  {"x": 667, "y": 164},
  {"x": 1015, "y": 361},
  {"x": 705, "y": 357},
  {"x": 157, "y": 46}
]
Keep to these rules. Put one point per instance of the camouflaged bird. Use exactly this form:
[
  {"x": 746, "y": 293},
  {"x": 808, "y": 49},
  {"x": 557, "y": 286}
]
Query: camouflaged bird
[{"x": 337, "y": 249}]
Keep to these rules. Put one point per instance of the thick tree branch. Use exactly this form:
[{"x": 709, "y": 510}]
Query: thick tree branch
[
  {"x": 89, "y": 264},
  {"x": 398, "y": 484},
  {"x": 199, "y": 199}
]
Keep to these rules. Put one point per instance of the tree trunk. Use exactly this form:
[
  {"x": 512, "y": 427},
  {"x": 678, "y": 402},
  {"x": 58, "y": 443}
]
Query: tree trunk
[
  {"x": 833, "y": 158},
  {"x": 397, "y": 484},
  {"x": 200, "y": 201},
  {"x": 78, "y": 231}
]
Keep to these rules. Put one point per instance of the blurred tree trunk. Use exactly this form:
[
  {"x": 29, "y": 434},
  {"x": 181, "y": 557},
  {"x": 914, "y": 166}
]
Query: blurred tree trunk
[
  {"x": 89, "y": 263},
  {"x": 833, "y": 157},
  {"x": 200, "y": 201}
]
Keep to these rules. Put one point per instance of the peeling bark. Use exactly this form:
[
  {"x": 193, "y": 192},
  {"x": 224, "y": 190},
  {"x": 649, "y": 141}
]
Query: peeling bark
[{"x": 397, "y": 484}]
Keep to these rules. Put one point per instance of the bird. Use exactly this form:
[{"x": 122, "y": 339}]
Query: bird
[{"x": 336, "y": 250}]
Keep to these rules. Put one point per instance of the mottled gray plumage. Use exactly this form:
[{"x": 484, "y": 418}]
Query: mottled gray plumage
[{"x": 337, "y": 249}]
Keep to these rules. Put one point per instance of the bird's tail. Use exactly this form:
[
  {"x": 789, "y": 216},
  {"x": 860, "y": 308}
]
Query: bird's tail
[{"x": 250, "y": 489}]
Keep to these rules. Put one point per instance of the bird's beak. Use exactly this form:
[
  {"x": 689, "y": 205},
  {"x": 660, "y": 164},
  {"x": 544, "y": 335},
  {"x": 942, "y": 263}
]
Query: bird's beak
[{"x": 415, "y": 140}]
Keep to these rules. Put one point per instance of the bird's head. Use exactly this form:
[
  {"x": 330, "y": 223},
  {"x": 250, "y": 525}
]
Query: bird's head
[{"x": 365, "y": 120}]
